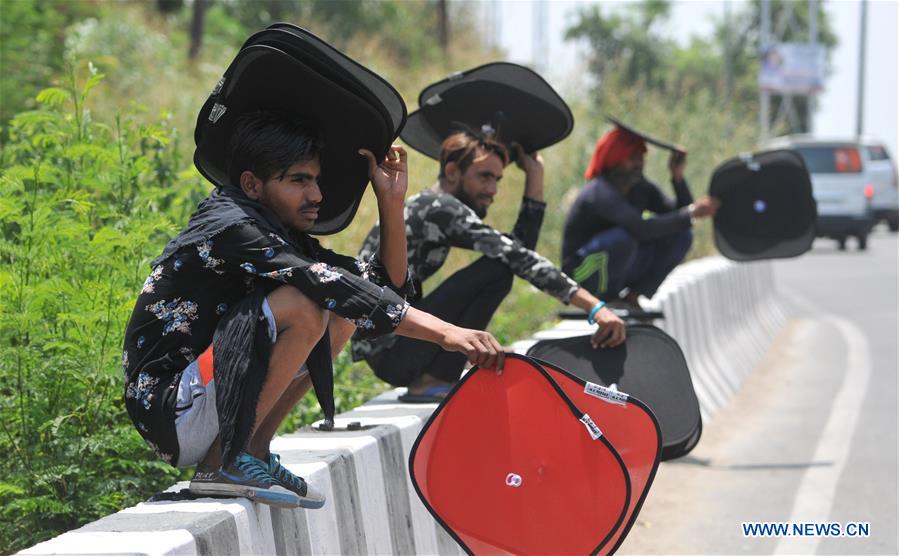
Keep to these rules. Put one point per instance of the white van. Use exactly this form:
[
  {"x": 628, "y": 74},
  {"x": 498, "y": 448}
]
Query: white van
[
  {"x": 853, "y": 182},
  {"x": 882, "y": 173}
]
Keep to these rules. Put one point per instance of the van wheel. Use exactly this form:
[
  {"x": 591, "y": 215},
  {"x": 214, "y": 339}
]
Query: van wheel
[
  {"x": 862, "y": 242},
  {"x": 841, "y": 244},
  {"x": 893, "y": 223}
]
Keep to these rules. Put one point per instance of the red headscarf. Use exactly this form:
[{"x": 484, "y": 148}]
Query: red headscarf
[{"x": 612, "y": 149}]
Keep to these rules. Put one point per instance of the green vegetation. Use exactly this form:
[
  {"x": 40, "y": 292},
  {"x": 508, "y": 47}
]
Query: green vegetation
[
  {"x": 83, "y": 206},
  {"x": 96, "y": 174}
]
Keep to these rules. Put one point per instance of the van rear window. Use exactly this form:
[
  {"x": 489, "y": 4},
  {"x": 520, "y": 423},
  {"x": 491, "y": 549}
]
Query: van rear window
[
  {"x": 877, "y": 152},
  {"x": 831, "y": 160}
]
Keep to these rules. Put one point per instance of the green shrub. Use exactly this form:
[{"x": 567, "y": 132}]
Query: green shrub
[{"x": 83, "y": 208}]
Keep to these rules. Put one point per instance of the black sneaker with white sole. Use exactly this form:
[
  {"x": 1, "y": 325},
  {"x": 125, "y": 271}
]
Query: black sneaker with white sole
[
  {"x": 309, "y": 497},
  {"x": 247, "y": 477}
]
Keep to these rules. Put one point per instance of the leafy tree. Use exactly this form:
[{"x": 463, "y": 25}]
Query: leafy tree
[
  {"x": 789, "y": 23},
  {"x": 629, "y": 50},
  {"x": 406, "y": 30},
  {"x": 32, "y": 39}
]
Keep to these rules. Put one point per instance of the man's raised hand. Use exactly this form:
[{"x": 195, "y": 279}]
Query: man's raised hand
[
  {"x": 677, "y": 163},
  {"x": 390, "y": 178},
  {"x": 529, "y": 162}
]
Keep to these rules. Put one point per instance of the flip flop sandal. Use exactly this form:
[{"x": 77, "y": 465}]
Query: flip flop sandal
[{"x": 434, "y": 394}]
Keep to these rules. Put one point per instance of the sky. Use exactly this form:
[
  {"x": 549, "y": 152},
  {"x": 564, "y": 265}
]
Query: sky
[{"x": 836, "y": 115}]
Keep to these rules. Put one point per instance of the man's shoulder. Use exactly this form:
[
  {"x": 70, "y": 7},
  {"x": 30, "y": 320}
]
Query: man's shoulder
[
  {"x": 429, "y": 204},
  {"x": 648, "y": 185},
  {"x": 597, "y": 188}
]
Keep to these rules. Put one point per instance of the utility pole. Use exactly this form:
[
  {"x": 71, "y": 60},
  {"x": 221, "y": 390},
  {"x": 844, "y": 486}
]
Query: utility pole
[
  {"x": 728, "y": 53},
  {"x": 765, "y": 96},
  {"x": 812, "y": 99},
  {"x": 196, "y": 28},
  {"x": 860, "y": 102},
  {"x": 443, "y": 26}
]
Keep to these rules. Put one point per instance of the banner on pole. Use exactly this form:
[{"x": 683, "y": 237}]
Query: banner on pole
[{"x": 793, "y": 68}]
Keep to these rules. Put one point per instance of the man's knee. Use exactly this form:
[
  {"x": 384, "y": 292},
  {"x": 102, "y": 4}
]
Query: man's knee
[
  {"x": 497, "y": 274},
  {"x": 617, "y": 242},
  {"x": 293, "y": 309},
  {"x": 621, "y": 249}
]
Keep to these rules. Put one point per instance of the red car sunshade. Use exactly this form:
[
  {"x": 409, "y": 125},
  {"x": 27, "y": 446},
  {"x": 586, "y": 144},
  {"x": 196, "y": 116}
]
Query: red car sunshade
[
  {"x": 629, "y": 426},
  {"x": 509, "y": 464}
]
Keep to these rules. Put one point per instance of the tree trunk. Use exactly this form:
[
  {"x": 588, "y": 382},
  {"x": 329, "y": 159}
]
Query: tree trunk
[
  {"x": 196, "y": 28},
  {"x": 442, "y": 25}
]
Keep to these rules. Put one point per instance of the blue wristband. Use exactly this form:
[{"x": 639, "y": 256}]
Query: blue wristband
[{"x": 595, "y": 310}]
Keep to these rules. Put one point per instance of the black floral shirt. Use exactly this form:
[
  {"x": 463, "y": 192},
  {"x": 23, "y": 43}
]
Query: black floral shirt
[
  {"x": 437, "y": 221},
  {"x": 185, "y": 296}
]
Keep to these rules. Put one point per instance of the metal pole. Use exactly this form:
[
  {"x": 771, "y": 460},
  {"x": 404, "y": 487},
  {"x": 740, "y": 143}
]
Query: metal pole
[
  {"x": 728, "y": 77},
  {"x": 860, "y": 102},
  {"x": 812, "y": 99},
  {"x": 765, "y": 97}
]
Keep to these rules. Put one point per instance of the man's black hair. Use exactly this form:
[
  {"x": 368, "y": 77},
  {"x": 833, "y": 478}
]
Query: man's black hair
[{"x": 268, "y": 143}]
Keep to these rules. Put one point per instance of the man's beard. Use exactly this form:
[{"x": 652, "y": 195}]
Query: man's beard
[
  {"x": 471, "y": 202},
  {"x": 624, "y": 178}
]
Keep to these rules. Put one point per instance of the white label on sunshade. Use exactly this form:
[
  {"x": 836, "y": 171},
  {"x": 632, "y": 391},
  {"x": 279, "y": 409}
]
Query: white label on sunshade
[
  {"x": 607, "y": 394},
  {"x": 594, "y": 431}
]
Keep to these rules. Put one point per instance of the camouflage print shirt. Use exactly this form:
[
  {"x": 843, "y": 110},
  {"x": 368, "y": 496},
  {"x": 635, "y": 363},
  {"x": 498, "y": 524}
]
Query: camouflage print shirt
[{"x": 437, "y": 221}]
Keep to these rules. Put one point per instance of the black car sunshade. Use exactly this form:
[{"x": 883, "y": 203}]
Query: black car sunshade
[
  {"x": 522, "y": 462},
  {"x": 649, "y": 366},
  {"x": 667, "y": 145},
  {"x": 509, "y": 101},
  {"x": 767, "y": 209},
  {"x": 351, "y": 106}
]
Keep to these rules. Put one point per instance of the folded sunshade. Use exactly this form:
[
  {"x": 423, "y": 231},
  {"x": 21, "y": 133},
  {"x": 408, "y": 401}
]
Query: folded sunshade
[
  {"x": 511, "y": 463},
  {"x": 649, "y": 366},
  {"x": 289, "y": 70},
  {"x": 767, "y": 209},
  {"x": 630, "y": 427},
  {"x": 667, "y": 145},
  {"x": 508, "y": 101}
]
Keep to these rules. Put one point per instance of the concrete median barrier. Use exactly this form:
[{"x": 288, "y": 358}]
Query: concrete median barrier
[{"x": 723, "y": 314}]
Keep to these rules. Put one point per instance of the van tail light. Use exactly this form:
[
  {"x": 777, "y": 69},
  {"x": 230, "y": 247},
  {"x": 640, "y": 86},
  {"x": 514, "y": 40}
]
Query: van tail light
[
  {"x": 847, "y": 160},
  {"x": 869, "y": 191}
]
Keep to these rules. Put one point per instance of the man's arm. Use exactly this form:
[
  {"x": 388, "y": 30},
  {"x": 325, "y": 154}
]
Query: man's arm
[
  {"x": 389, "y": 180},
  {"x": 462, "y": 228},
  {"x": 610, "y": 330},
  {"x": 530, "y": 215},
  {"x": 480, "y": 347},
  {"x": 532, "y": 166}
]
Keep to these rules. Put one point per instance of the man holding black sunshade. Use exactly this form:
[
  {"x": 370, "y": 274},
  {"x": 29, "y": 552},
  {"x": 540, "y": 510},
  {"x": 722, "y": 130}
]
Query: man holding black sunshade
[
  {"x": 463, "y": 122},
  {"x": 608, "y": 246}
]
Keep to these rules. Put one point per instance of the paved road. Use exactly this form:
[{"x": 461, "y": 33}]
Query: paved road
[{"x": 812, "y": 435}]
